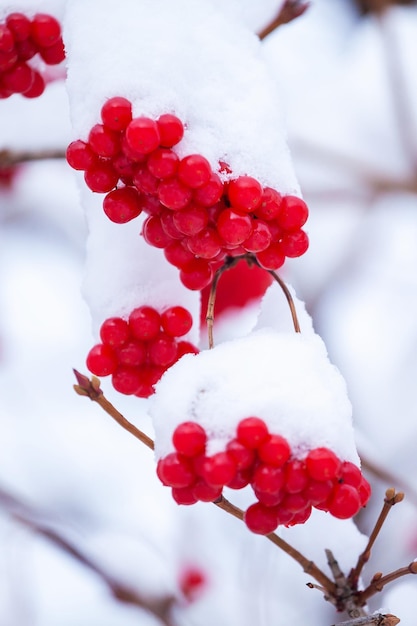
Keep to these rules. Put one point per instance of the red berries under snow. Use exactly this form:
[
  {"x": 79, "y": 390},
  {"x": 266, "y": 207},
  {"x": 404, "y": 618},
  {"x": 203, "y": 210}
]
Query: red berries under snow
[
  {"x": 22, "y": 39},
  {"x": 286, "y": 488},
  {"x": 137, "y": 351},
  {"x": 189, "y": 207}
]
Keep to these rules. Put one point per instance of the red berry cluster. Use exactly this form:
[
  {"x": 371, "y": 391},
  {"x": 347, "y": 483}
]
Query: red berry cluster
[
  {"x": 21, "y": 39},
  {"x": 193, "y": 215},
  {"x": 286, "y": 488},
  {"x": 137, "y": 351}
]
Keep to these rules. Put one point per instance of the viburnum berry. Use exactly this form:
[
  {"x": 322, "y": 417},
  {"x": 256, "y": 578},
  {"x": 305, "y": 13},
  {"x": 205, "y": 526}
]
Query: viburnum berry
[
  {"x": 350, "y": 474},
  {"x": 52, "y": 55},
  {"x": 101, "y": 360},
  {"x": 103, "y": 141},
  {"x": 101, "y": 177},
  {"x": 142, "y": 135},
  {"x": 20, "y": 25},
  {"x": 243, "y": 456},
  {"x": 261, "y": 519},
  {"x": 132, "y": 353},
  {"x": 149, "y": 376},
  {"x": 205, "y": 244},
  {"x": 194, "y": 171},
  {"x": 122, "y": 205},
  {"x": 196, "y": 275},
  {"x": 189, "y": 439},
  {"x": 364, "y": 491},
  {"x": 318, "y": 492},
  {"x": 176, "y": 321},
  {"x": 294, "y": 244},
  {"x": 185, "y": 347},
  {"x": 269, "y": 499},
  {"x": 173, "y": 194},
  {"x": 245, "y": 193},
  {"x": 162, "y": 350},
  {"x": 154, "y": 233},
  {"x": 190, "y": 220},
  {"x": 45, "y": 30},
  {"x": 210, "y": 193},
  {"x": 116, "y": 113},
  {"x": 175, "y": 470},
  {"x": 295, "y": 502},
  {"x": 293, "y": 213},
  {"x": 272, "y": 258},
  {"x": 296, "y": 476},
  {"x": 114, "y": 331},
  {"x": 171, "y": 130},
  {"x": 269, "y": 207},
  {"x": 126, "y": 379},
  {"x": 144, "y": 181},
  {"x": 268, "y": 478},
  {"x": 252, "y": 432},
  {"x": 234, "y": 227},
  {"x": 274, "y": 450},
  {"x": 80, "y": 156},
  {"x": 6, "y": 39},
  {"x": 192, "y": 581},
  {"x": 26, "y": 49},
  {"x": 163, "y": 163},
  {"x": 37, "y": 88},
  {"x": 322, "y": 464},
  {"x": 241, "y": 479},
  {"x": 167, "y": 221},
  {"x": 345, "y": 501},
  {"x": 206, "y": 493},
  {"x": 259, "y": 239},
  {"x": 145, "y": 323},
  {"x": 219, "y": 469},
  {"x": 184, "y": 495},
  {"x": 299, "y": 517},
  {"x": 19, "y": 78},
  {"x": 178, "y": 255}
]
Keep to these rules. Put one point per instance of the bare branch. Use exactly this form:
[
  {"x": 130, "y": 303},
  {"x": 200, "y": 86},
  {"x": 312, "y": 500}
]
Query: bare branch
[
  {"x": 379, "y": 582},
  {"x": 8, "y": 158},
  {"x": 378, "y": 619},
  {"x": 290, "y": 10}
]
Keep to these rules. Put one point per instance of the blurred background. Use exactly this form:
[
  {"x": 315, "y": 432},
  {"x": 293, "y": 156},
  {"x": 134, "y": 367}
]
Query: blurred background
[{"x": 346, "y": 73}]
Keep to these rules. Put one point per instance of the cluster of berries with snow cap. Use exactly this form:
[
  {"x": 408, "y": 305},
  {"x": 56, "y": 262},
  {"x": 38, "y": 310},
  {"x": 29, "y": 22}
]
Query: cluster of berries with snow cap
[
  {"x": 286, "y": 487},
  {"x": 137, "y": 351},
  {"x": 23, "y": 39},
  {"x": 195, "y": 216}
]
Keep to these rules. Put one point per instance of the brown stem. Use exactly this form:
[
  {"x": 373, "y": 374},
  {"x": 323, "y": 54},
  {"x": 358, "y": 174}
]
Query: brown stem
[
  {"x": 289, "y": 300},
  {"x": 27, "y": 516},
  {"x": 228, "y": 264},
  {"x": 290, "y": 10},
  {"x": 391, "y": 498},
  {"x": 308, "y": 566},
  {"x": 379, "y": 582},
  {"x": 8, "y": 158},
  {"x": 91, "y": 389}
]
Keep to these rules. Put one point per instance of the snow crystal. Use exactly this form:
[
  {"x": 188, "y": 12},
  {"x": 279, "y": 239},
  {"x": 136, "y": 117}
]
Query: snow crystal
[{"x": 284, "y": 378}]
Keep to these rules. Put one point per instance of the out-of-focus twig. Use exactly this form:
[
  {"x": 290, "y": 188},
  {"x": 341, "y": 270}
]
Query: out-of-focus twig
[
  {"x": 290, "y": 10},
  {"x": 32, "y": 519},
  {"x": 8, "y": 158}
]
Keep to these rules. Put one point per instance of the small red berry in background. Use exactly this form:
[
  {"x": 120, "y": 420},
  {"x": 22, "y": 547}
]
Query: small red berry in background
[{"x": 192, "y": 582}]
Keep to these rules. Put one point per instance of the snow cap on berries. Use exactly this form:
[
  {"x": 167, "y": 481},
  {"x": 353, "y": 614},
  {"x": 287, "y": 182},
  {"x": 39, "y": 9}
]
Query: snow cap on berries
[{"x": 285, "y": 379}]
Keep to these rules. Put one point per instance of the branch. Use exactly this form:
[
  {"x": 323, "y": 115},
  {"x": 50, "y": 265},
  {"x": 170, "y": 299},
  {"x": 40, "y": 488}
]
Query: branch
[
  {"x": 379, "y": 581},
  {"x": 378, "y": 619},
  {"x": 8, "y": 158},
  {"x": 27, "y": 516},
  {"x": 228, "y": 264},
  {"x": 290, "y": 10},
  {"x": 391, "y": 498}
]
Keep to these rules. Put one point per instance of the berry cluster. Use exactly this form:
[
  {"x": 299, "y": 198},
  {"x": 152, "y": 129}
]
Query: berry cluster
[
  {"x": 286, "y": 487},
  {"x": 195, "y": 216},
  {"x": 21, "y": 39},
  {"x": 137, "y": 351}
]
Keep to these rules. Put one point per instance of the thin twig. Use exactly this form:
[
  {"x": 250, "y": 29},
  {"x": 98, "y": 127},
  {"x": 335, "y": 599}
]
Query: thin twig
[
  {"x": 290, "y": 10},
  {"x": 8, "y": 158},
  {"x": 27, "y": 516},
  {"x": 378, "y": 582},
  {"x": 91, "y": 389},
  {"x": 228, "y": 264},
  {"x": 391, "y": 498},
  {"x": 378, "y": 619}
]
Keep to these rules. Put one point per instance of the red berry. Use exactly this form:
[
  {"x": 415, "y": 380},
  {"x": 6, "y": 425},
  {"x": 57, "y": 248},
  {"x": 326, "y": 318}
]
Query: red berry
[
  {"x": 8, "y": 60},
  {"x": 269, "y": 499},
  {"x": 191, "y": 220},
  {"x": 103, "y": 141},
  {"x": 26, "y": 49},
  {"x": 261, "y": 519},
  {"x": 318, "y": 493},
  {"x": 80, "y": 156},
  {"x": 206, "y": 493},
  {"x": 322, "y": 464},
  {"x": 270, "y": 205},
  {"x": 189, "y": 439},
  {"x": 206, "y": 244},
  {"x": 184, "y": 495},
  {"x": 234, "y": 227},
  {"x": 114, "y": 331},
  {"x": 241, "y": 479},
  {"x": 245, "y": 193},
  {"x": 142, "y": 135},
  {"x": 293, "y": 213},
  {"x": 175, "y": 470},
  {"x": 162, "y": 350},
  {"x": 296, "y": 476},
  {"x": 259, "y": 239},
  {"x": 52, "y": 55},
  {"x": 210, "y": 193},
  {"x": 18, "y": 79},
  {"x": 6, "y": 39},
  {"x": 19, "y": 25},
  {"x": 101, "y": 177},
  {"x": 124, "y": 167},
  {"x": 294, "y": 244},
  {"x": 173, "y": 194},
  {"x": 163, "y": 163},
  {"x": 45, "y": 30},
  {"x": 196, "y": 275},
  {"x": 154, "y": 233},
  {"x": 194, "y": 171},
  {"x": 145, "y": 181},
  {"x": 350, "y": 474},
  {"x": 178, "y": 255},
  {"x": 274, "y": 450},
  {"x": 272, "y": 258},
  {"x": 37, "y": 88},
  {"x": 364, "y": 491},
  {"x": 295, "y": 502},
  {"x": 126, "y": 379},
  {"x": 185, "y": 347},
  {"x": 167, "y": 221},
  {"x": 300, "y": 517},
  {"x": 116, "y": 113},
  {"x": 268, "y": 479},
  {"x": 191, "y": 582},
  {"x": 243, "y": 456},
  {"x": 219, "y": 469},
  {"x": 252, "y": 432},
  {"x": 132, "y": 353},
  {"x": 176, "y": 321},
  {"x": 149, "y": 376},
  {"x": 171, "y": 130},
  {"x": 145, "y": 322},
  {"x": 122, "y": 205},
  {"x": 101, "y": 360},
  {"x": 345, "y": 502}
]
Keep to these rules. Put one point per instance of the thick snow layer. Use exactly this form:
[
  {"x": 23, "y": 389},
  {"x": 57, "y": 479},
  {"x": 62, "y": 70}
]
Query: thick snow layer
[{"x": 285, "y": 379}]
